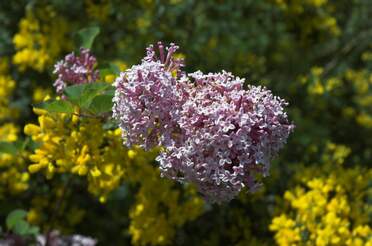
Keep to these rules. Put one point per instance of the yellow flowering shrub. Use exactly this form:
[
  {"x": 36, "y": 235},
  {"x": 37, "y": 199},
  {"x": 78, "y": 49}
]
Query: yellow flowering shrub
[
  {"x": 159, "y": 209},
  {"x": 80, "y": 146},
  {"x": 320, "y": 214},
  {"x": 77, "y": 145},
  {"x": 39, "y": 93},
  {"x": 319, "y": 86},
  {"x": 98, "y": 11},
  {"x": 355, "y": 180},
  {"x": 351, "y": 80},
  {"x": 8, "y": 132},
  {"x": 310, "y": 16},
  {"x": 362, "y": 84},
  {"x": 331, "y": 209},
  {"x": 7, "y": 86},
  {"x": 42, "y": 205},
  {"x": 13, "y": 176},
  {"x": 40, "y": 39}
]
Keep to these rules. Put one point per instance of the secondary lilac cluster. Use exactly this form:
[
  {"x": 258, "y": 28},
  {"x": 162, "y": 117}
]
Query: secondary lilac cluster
[
  {"x": 75, "y": 70},
  {"x": 213, "y": 133}
]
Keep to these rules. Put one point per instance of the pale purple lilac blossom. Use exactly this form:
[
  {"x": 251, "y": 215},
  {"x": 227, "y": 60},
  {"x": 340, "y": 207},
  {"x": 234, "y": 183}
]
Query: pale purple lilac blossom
[
  {"x": 75, "y": 70},
  {"x": 213, "y": 133}
]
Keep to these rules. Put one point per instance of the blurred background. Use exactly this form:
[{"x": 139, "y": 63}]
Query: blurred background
[{"x": 316, "y": 54}]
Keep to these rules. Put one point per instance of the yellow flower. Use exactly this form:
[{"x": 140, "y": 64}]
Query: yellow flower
[
  {"x": 110, "y": 78},
  {"x": 31, "y": 129},
  {"x": 98, "y": 11},
  {"x": 40, "y": 39},
  {"x": 8, "y": 132},
  {"x": 39, "y": 94}
]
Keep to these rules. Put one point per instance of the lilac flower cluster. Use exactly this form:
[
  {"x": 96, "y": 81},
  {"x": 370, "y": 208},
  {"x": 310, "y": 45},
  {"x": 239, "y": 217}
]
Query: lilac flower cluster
[
  {"x": 75, "y": 70},
  {"x": 213, "y": 133}
]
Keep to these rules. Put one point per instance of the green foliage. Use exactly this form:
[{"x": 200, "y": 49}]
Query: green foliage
[
  {"x": 94, "y": 98},
  {"x": 108, "y": 69},
  {"x": 101, "y": 104},
  {"x": 16, "y": 223},
  {"x": 87, "y": 36},
  {"x": 56, "y": 106},
  {"x": 83, "y": 94},
  {"x": 9, "y": 148}
]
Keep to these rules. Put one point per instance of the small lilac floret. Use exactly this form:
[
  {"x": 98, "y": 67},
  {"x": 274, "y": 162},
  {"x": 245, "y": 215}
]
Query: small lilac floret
[{"x": 75, "y": 70}]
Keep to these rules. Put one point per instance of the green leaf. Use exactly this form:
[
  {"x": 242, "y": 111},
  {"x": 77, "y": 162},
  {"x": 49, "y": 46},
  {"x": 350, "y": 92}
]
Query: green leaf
[
  {"x": 34, "y": 230},
  {"x": 74, "y": 93},
  {"x": 83, "y": 94},
  {"x": 87, "y": 36},
  {"x": 21, "y": 227},
  {"x": 60, "y": 106},
  {"x": 110, "y": 124},
  {"x": 8, "y": 148},
  {"x": 110, "y": 92},
  {"x": 14, "y": 217},
  {"x": 109, "y": 68},
  {"x": 101, "y": 104}
]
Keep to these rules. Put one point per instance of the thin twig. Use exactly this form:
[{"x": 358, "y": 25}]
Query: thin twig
[
  {"x": 346, "y": 49},
  {"x": 56, "y": 211}
]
